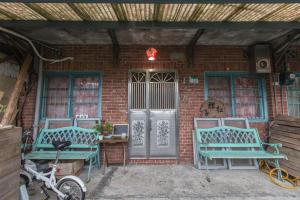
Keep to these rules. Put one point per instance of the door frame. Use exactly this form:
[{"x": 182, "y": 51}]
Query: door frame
[{"x": 148, "y": 131}]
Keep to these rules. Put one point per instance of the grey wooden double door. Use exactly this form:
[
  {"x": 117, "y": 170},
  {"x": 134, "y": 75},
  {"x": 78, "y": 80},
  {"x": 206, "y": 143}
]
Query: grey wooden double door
[{"x": 153, "y": 100}]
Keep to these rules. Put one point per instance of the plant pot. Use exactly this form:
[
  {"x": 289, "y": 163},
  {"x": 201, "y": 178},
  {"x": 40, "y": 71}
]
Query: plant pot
[
  {"x": 108, "y": 137},
  {"x": 105, "y": 133},
  {"x": 100, "y": 137}
]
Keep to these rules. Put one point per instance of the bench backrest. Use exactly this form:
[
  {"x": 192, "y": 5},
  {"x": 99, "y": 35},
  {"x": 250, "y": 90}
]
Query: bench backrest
[
  {"x": 227, "y": 136},
  {"x": 79, "y": 137}
]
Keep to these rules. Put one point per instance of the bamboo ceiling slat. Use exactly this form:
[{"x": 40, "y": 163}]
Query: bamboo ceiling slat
[
  {"x": 254, "y": 12},
  {"x": 214, "y": 12},
  {"x": 176, "y": 12},
  {"x": 120, "y": 12},
  {"x": 150, "y": 12},
  {"x": 3, "y": 17},
  {"x": 289, "y": 12},
  {"x": 59, "y": 11},
  {"x": 21, "y": 11},
  {"x": 98, "y": 11},
  {"x": 139, "y": 12}
]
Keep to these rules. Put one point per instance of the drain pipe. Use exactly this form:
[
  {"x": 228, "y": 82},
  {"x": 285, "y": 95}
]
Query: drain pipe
[{"x": 38, "y": 98}]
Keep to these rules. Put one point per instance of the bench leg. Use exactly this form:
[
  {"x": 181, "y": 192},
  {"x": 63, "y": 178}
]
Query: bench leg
[
  {"x": 207, "y": 175},
  {"x": 199, "y": 163},
  {"x": 98, "y": 161},
  {"x": 89, "y": 172},
  {"x": 279, "y": 174},
  {"x": 198, "y": 157},
  {"x": 206, "y": 164}
]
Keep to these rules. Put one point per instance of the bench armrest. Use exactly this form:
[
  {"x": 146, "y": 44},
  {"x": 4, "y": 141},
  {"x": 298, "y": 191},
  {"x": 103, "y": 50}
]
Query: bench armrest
[
  {"x": 276, "y": 146},
  {"x": 273, "y": 144}
]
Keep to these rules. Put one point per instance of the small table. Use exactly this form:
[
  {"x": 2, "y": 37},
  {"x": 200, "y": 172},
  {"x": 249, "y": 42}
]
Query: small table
[{"x": 123, "y": 141}]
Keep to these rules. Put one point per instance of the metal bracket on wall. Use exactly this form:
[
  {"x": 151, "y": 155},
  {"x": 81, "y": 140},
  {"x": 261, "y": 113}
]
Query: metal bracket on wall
[
  {"x": 116, "y": 47},
  {"x": 190, "y": 48}
]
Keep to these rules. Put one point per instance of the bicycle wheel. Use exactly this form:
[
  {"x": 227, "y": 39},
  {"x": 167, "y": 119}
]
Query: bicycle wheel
[{"x": 72, "y": 188}]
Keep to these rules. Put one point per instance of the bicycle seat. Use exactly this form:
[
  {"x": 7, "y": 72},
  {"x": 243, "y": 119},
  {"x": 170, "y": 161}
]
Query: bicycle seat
[{"x": 59, "y": 145}]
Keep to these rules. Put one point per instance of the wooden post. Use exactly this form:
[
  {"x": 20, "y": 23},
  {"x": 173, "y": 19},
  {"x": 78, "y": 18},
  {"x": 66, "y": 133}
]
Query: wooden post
[{"x": 14, "y": 97}]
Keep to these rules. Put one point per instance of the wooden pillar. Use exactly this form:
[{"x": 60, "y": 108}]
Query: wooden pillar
[{"x": 14, "y": 97}]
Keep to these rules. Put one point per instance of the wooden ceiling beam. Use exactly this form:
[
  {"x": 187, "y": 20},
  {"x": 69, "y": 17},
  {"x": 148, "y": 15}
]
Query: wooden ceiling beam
[{"x": 149, "y": 24}]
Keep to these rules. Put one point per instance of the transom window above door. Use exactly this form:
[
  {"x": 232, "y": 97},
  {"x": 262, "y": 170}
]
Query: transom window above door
[
  {"x": 243, "y": 94},
  {"x": 155, "y": 89},
  {"x": 71, "y": 95}
]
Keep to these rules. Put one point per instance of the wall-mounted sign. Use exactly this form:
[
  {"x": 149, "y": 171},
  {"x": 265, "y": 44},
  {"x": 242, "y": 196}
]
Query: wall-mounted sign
[
  {"x": 193, "y": 80},
  {"x": 82, "y": 116},
  {"x": 212, "y": 108}
]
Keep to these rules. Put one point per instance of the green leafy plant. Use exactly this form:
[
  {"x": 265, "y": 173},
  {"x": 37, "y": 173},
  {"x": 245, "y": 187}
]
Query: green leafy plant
[
  {"x": 108, "y": 127},
  {"x": 104, "y": 128},
  {"x": 98, "y": 128}
]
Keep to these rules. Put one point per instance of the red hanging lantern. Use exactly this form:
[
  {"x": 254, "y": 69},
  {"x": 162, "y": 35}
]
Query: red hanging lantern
[{"x": 151, "y": 54}]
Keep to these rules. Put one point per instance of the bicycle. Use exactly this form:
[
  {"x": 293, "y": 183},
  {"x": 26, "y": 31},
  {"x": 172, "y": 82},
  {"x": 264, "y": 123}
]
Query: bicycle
[{"x": 67, "y": 188}]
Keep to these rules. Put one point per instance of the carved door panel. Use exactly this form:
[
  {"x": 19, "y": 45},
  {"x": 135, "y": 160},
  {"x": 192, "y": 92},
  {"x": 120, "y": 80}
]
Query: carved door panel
[
  {"x": 162, "y": 134},
  {"x": 138, "y": 137}
]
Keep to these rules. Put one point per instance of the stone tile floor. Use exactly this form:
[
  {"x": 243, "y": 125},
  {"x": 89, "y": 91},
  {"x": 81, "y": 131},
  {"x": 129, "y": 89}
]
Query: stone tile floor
[{"x": 164, "y": 182}]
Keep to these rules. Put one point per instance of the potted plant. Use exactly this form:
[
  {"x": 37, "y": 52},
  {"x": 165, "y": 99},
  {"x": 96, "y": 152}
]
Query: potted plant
[
  {"x": 104, "y": 129},
  {"x": 107, "y": 129}
]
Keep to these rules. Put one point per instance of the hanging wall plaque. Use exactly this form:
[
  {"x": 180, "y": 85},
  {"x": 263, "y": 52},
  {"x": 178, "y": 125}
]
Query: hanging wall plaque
[{"x": 213, "y": 108}]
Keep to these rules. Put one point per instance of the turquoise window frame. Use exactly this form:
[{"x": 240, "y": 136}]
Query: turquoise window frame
[
  {"x": 262, "y": 91},
  {"x": 287, "y": 99},
  {"x": 71, "y": 76}
]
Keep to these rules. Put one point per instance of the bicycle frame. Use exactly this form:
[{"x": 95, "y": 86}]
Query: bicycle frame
[{"x": 49, "y": 182}]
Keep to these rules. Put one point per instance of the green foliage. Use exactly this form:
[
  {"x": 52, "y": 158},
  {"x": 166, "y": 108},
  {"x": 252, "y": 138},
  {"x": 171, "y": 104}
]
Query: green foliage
[
  {"x": 98, "y": 128},
  {"x": 103, "y": 127},
  {"x": 108, "y": 127}
]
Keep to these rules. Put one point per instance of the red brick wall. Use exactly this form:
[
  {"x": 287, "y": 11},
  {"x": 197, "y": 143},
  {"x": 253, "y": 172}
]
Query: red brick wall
[{"x": 114, "y": 85}]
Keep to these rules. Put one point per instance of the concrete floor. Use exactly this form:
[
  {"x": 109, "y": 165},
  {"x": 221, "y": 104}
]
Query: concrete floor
[{"x": 181, "y": 182}]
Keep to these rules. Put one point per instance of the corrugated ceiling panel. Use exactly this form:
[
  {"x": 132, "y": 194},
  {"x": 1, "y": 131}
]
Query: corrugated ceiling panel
[
  {"x": 289, "y": 12},
  {"x": 98, "y": 11},
  {"x": 59, "y": 11},
  {"x": 254, "y": 12},
  {"x": 214, "y": 12},
  {"x": 139, "y": 12},
  {"x": 21, "y": 11},
  {"x": 176, "y": 12}
]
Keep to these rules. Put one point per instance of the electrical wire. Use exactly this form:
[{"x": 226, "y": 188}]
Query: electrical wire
[{"x": 34, "y": 48}]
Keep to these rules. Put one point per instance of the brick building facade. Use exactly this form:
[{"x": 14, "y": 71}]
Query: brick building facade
[{"x": 114, "y": 97}]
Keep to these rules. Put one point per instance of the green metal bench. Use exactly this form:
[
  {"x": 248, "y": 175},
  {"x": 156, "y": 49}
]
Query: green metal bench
[
  {"x": 83, "y": 146},
  {"x": 220, "y": 142}
]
